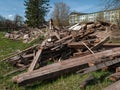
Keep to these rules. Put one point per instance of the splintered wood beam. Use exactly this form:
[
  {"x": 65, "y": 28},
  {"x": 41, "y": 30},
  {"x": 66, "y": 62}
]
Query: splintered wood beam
[
  {"x": 28, "y": 55},
  {"x": 114, "y": 86},
  {"x": 98, "y": 66},
  {"x": 79, "y": 45},
  {"x": 111, "y": 45},
  {"x": 80, "y": 54},
  {"x": 35, "y": 60},
  {"x": 115, "y": 76},
  {"x": 100, "y": 43},
  {"x": 76, "y": 45},
  {"x": 88, "y": 48},
  {"x": 90, "y": 64},
  {"x": 63, "y": 67},
  {"x": 32, "y": 47},
  {"x": 63, "y": 39},
  {"x": 36, "y": 57},
  {"x": 56, "y": 34}
]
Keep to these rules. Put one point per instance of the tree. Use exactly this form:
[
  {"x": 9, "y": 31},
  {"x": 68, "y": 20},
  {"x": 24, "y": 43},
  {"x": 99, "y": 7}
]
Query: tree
[
  {"x": 111, "y": 4},
  {"x": 60, "y": 14},
  {"x": 35, "y": 12},
  {"x": 9, "y": 24},
  {"x": 18, "y": 20},
  {"x": 2, "y": 21},
  {"x": 114, "y": 4}
]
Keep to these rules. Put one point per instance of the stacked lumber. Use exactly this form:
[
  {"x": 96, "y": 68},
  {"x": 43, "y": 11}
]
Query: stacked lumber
[
  {"x": 63, "y": 67},
  {"x": 68, "y": 51},
  {"x": 22, "y": 58},
  {"x": 58, "y": 48}
]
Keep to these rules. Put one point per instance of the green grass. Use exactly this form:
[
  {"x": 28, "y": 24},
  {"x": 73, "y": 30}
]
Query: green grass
[
  {"x": 72, "y": 82},
  {"x": 8, "y": 46},
  {"x": 68, "y": 82}
]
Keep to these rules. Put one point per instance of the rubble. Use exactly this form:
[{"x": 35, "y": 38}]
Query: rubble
[
  {"x": 25, "y": 34},
  {"x": 81, "y": 48},
  {"x": 65, "y": 67},
  {"x": 90, "y": 25}
]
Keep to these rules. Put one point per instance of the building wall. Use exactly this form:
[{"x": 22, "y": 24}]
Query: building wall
[
  {"x": 109, "y": 16},
  {"x": 73, "y": 19}
]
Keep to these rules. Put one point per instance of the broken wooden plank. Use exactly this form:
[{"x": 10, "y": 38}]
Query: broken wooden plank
[
  {"x": 88, "y": 48},
  {"x": 35, "y": 60},
  {"x": 28, "y": 55},
  {"x": 73, "y": 44},
  {"x": 118, "y": 69},
  {"x": 86, "y": 81},
  {"x": 98, "y": 66},
  {"x": 60, "y": 68},
  {"x": 32, "y": 47},
  {"x": 111, "y": 45},
  {"x": 17, "y": 70},
  {"x": 79, "y": 45},
  {"x": 63, "y": 39},
  {"x": 80, "y": 54},
  {"x": 90, "y": 52},
  {"x": 56, "y": 34},
  {"x": 36, "y": 57},
  {"x": 76, "y": 45},
  {"x": 114, "y": 86},
  {"x": 115, "y": 76},
  {"x": 96, "y": 46}
]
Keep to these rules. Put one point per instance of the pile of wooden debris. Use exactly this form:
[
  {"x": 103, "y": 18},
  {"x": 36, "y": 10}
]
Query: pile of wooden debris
[
  {"x": 82, "y": 51},
  {"x": 25, "y": 34}
]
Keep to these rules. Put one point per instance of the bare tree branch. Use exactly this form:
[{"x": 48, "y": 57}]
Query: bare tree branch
[{"x": 60, "y": 14}]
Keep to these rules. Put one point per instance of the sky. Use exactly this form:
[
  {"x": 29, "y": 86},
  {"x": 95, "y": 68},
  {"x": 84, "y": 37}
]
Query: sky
[{"x": 9, "y": 8}]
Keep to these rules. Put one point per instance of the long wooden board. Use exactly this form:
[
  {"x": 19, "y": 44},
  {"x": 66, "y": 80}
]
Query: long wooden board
[
  {"x": 60, "y": 68},
  {"x": 32, "y": 47},
  {"x": 98, "y": 66},
  {"x": 35, "y": 60}
]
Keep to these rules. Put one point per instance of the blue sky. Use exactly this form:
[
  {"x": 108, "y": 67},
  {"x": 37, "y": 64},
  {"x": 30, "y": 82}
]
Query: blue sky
[{"x": 9, "y": 8}]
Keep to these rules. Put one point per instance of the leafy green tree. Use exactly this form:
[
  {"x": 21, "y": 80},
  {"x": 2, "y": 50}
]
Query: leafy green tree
[{"x": 35, "y": 12}]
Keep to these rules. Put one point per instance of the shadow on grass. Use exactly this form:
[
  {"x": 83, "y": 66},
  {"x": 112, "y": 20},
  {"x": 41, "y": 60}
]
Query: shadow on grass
[
  {"x": 46, "y": 82},
  {"x": 96, "y": 79}
]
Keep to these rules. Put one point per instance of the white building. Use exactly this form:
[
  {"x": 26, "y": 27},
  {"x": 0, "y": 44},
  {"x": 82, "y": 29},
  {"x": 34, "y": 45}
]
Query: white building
[{"x": 108, "y": 15}]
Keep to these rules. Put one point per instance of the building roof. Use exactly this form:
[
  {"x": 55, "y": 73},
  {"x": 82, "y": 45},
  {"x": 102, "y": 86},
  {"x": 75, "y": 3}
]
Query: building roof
[{"x": 79, "y": 13}]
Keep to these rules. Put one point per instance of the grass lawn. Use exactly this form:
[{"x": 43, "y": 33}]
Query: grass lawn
[{"x": 69, "y": 82}]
